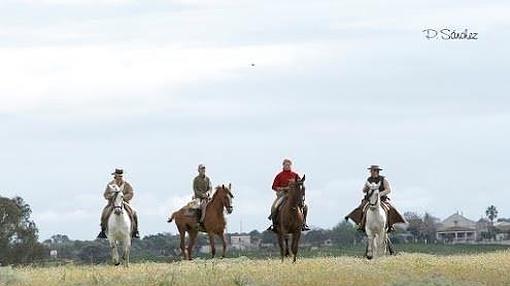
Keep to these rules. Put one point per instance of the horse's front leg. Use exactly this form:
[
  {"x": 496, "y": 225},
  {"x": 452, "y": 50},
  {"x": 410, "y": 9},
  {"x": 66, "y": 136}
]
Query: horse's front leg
[
  {"x": 287, "y": 252},
  {"x": 280, "y": 243},
  {"x": 381, "y": 242},
  {"x": 370, "y": 244},
  {"x": 127, "y": 250},
  {"x": 224, "y": 241},
  {"x": 391, "y": 249},
  {"x": 211, "y": 243},
  {"x": 295, "y": 244},
  {"x": 115, "y": 253}
]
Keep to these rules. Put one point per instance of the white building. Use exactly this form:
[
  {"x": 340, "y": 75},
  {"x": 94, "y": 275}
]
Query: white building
[
  {"x": 457, "y": 229},
  {"x": 240, "y": 242}
]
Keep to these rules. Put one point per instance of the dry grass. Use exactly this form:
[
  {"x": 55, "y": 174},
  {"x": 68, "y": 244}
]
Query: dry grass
[{"x": 404, "y": 269}]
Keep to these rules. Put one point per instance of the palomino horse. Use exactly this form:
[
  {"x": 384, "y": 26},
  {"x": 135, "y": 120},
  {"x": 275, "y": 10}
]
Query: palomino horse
[
  {"x": 290, "y": 218},
  {"x": 376, "y": 221},
  {"x": 119, "y": 227},
  {"x": 214, "y": 221}
]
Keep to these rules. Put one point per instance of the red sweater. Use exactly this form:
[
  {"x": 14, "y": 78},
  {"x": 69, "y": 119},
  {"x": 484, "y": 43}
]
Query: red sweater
[{"x": 283, "y": 178}]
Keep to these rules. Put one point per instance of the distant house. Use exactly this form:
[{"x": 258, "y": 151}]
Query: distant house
[
  {"x": 241, "y": 242},
  {"x": 267, "y": 245},
  {"x": 503, "y": 227},
  {"x": 457, "y": 229}
]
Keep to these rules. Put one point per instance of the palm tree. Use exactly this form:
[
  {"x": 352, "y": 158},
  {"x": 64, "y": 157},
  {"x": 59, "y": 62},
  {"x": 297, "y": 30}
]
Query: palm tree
[{"x": 491, "y": 213}]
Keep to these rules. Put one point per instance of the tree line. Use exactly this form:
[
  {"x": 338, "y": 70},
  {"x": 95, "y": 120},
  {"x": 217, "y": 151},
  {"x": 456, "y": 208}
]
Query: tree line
[{"x": 19, "y": 238}]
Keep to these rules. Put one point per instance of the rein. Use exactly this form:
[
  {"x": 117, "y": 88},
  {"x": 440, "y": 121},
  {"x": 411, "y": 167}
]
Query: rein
[
  {"x": 294, "y": 197},
  {"x": 228, "y": 205},
  {"x": 369, "y": 196},
  {"x": 121, "y": 207}
]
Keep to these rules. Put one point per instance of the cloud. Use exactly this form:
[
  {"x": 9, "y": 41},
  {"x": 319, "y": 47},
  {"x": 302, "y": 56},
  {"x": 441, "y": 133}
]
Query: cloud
[
  {"x": 159, "y": 87},
  {"x": 72, "y": 77}
]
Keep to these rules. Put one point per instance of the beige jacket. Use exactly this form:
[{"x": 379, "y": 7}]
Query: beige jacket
[{"x": 126, "y": 188}]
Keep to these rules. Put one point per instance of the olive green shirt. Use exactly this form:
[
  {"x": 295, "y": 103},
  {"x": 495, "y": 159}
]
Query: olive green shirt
[{"x": 201, "y": 186}]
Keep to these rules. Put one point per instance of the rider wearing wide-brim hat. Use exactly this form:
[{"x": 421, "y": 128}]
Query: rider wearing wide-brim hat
[
  {"x": 358, "y": 214},
  {"x": 127, "y": 190}
]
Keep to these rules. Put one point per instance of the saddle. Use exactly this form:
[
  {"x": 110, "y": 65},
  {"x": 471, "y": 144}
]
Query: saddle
[
  {"x": 195, "y": 207},
  {"x": 384, "y": 205},
  {"x": 279, "y": 207}
]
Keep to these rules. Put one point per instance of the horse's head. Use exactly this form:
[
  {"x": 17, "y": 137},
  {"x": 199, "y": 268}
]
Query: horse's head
[
  {"x": 226, "y": 196},
  {"x": 373, "y": 194},
  {"x": 117, "y": 199},
  {"x": 297, "y": 188}
]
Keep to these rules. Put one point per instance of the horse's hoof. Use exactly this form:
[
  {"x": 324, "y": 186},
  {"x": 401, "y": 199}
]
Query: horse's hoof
[
  {"x": 369, "y": 257},
  {"x": 116, "y": 263}
]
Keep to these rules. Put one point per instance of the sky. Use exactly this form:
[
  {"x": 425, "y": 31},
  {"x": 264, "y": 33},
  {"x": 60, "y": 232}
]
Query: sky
[{"x": 157, "y": 87}]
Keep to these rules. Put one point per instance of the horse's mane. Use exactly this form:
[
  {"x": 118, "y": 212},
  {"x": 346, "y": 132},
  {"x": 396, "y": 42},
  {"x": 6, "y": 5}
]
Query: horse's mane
[
  {"x": 218, "y": 188},
  {"x": 216, "y": 191}
]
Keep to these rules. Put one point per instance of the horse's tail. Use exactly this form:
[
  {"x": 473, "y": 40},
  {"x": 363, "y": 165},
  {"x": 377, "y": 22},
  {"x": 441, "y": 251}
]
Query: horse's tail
[{"x": 172, "y": 217}]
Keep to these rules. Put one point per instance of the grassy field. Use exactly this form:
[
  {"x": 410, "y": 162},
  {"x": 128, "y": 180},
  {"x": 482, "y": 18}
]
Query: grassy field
[
  {"x": 404, "y": 269},
  {"x": 359, "y": 249}
]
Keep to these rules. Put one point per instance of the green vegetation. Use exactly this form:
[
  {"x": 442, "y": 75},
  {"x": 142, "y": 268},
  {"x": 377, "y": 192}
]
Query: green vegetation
[{"x": 18, "y": 233}]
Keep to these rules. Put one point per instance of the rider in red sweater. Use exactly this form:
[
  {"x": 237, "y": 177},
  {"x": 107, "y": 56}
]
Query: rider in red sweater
[{"x": 280, "y": 183}]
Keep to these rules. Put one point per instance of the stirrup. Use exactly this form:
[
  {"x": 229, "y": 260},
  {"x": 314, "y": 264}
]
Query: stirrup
[
  {"x": 102, "y": 234},
  {"x": 200, "y": 226}
]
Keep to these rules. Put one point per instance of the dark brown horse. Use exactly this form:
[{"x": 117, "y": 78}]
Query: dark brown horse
[
  {"x": 214, "y": 221},
  {"x": 290, "y": 218}
]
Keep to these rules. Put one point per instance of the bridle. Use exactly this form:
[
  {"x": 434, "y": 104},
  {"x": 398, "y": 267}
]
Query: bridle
[
  {"x": 229, "y": 206},
  {"x": 296, "y": 187},
  {"x": 372, "y": 205},
  {"x": 119, "y": 208},
  {"x": 228, "y": 203}
]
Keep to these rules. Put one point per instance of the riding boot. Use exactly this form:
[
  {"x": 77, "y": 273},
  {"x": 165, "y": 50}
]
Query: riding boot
[
  {"x": 102, "y": 234},
  {"x": 273, "y": 227},
  {"x": 361, "y": 226},
  {"x": 198, "y": 213},
  {"x": 305, "y": 227},
  {"x": 389, "y": 244},
  {"x": 107, "y": 210},
  {"x": 202, "y": 216},
  {"x": 135, "y": 233}
]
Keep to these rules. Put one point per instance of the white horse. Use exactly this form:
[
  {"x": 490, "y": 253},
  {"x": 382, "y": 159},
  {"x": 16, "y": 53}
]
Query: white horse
[
  {"x": 375, "y": 226},
  {"x": 119, "y": 227}
]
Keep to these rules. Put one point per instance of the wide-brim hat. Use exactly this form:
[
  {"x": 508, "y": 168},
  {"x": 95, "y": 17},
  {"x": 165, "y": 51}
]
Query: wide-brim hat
[
  {"x": 374, "y": 167},
  {"x": 118, "y": 172}
]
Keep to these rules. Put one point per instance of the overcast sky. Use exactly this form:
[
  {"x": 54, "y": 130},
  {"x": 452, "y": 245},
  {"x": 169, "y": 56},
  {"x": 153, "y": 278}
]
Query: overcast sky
[{"x": 157, "y": 87}]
